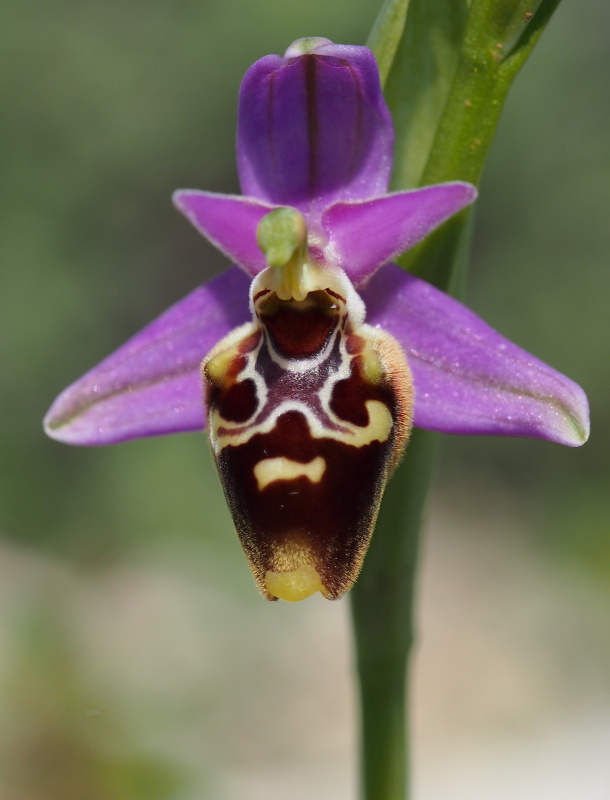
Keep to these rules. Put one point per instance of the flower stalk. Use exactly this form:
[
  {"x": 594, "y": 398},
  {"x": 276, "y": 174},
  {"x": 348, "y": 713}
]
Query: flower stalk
[{"x": 382, "y": 612}]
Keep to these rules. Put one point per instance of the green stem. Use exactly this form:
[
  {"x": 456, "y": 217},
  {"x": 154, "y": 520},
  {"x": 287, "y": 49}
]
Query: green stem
[
  {"x": 497, "y": 39},
  {"x": 382, "y": 607}
]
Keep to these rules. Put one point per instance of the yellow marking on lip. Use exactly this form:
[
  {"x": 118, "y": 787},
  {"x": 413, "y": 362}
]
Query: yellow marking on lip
[
  {"x": 285, "y": 469},
  {"x": 216, "y": 368},
  {"x": 377, "y": 429},
  {"x": 295, "y": 585},
  {"x": 372, "y": 368},
  {"x": 217, "y": 362}
]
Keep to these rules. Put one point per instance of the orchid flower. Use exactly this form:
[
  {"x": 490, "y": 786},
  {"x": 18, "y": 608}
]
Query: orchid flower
[{"x": 309, "y": 405}]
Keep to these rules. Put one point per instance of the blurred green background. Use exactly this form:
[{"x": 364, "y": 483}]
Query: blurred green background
[{"x": 136, "y": 659}]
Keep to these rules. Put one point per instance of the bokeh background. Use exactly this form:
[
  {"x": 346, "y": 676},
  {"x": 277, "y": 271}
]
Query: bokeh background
[{"x": 136, "y": 659}]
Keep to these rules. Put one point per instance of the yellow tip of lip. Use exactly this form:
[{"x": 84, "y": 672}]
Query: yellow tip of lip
[{"x": 294, "y": 586}]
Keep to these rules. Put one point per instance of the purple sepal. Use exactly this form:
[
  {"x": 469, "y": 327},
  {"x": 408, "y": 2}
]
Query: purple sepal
[
  {"x": 363, "y": 235},
  {"x": 152, "y": 385},
  {"x": 314, "y": 128},
  {"x": 468, "y": 378},
  {"x": 229, "y": 222}
]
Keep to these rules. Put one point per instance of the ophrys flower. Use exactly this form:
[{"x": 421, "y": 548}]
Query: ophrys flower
[{"x": 318, "y": 352}]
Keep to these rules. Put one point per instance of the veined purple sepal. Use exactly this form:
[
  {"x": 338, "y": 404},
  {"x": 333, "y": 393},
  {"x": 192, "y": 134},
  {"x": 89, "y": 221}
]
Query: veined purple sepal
[
  {"x": 313, "y": 128},
  {"x": 363, "y": 235},
  {"x": 468, "y": 378},
  {"x": 152, "y": 384},
  {"x": 308, "y": 416}
]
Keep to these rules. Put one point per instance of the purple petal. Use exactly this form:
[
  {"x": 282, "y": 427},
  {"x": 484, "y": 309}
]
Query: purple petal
[
  {"x": 229, "y": 222},
  {"x": 314, "y": 128},
  {"x": 363, "y": 235},
  {"x": 468, "y": 378},
  {"x": 151, "y": 385}
]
